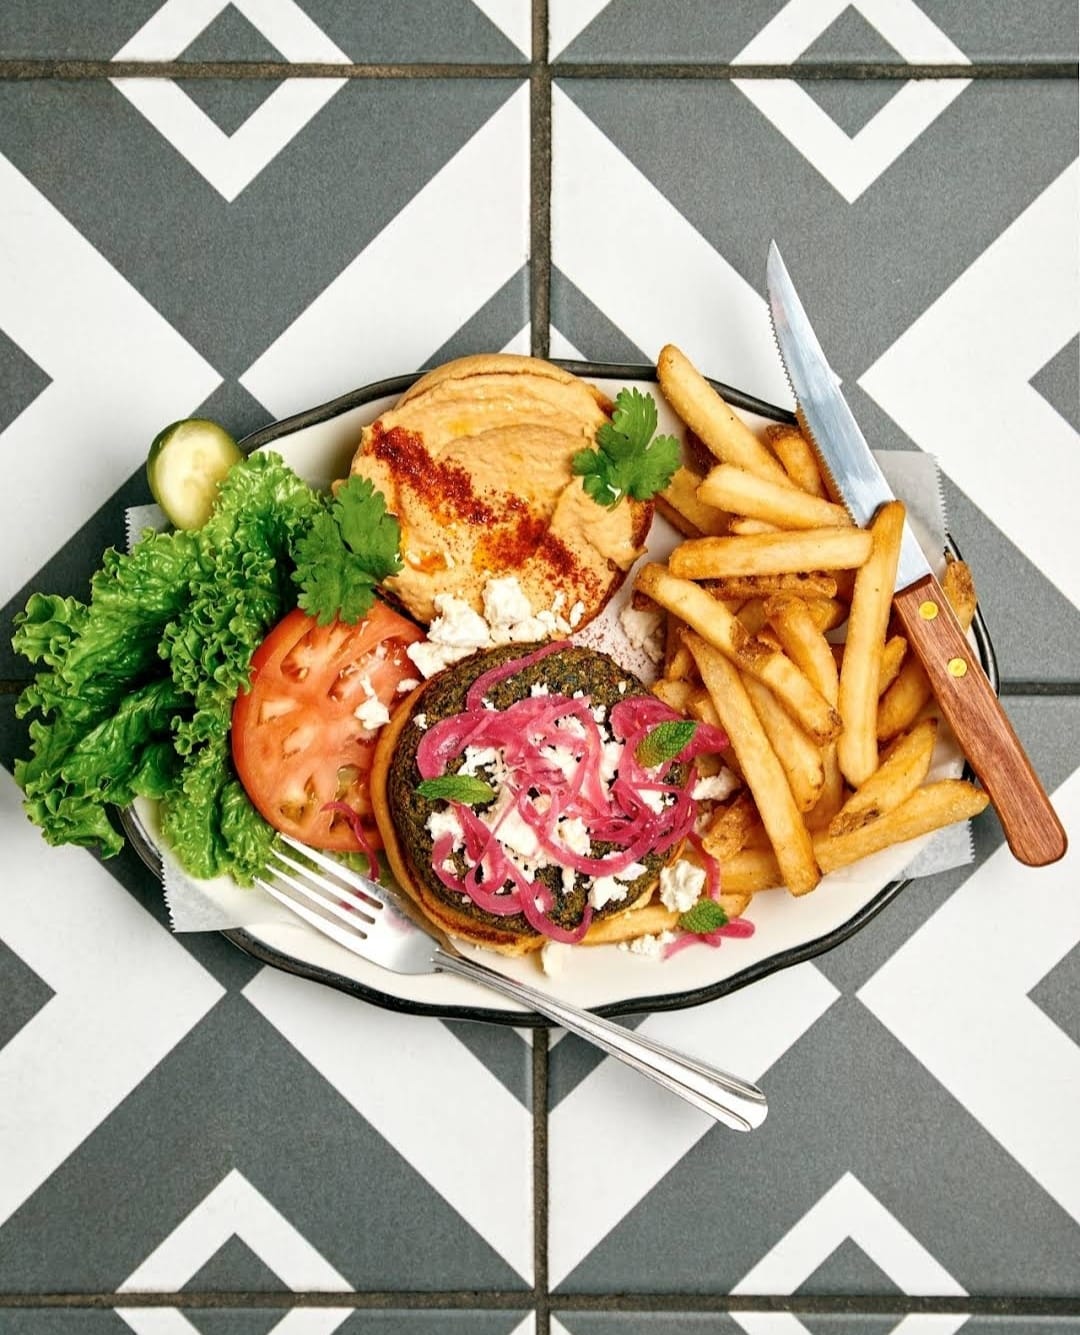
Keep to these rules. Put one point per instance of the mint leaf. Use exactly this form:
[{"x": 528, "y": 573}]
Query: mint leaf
[
  {"x": 345, "y": 553},
  {"x": 628, "y": 461},
  {"x": 665, "y": 741},
  {"x": 457, "y": 788},
  {"x": 705, "y": 917}
]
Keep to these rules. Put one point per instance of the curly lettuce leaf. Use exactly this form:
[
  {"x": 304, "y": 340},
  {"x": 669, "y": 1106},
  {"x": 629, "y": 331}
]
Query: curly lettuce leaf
[{"x": 135, "y": 696}]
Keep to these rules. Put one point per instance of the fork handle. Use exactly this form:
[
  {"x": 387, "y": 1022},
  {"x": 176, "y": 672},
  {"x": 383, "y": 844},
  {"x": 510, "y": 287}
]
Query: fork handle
[{"x": 724, "y": 1097}]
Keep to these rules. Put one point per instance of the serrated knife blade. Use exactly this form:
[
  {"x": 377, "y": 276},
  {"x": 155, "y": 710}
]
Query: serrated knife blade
[
  {"x": 828, "y": 421},
  {"x": 967, "y": 700}
]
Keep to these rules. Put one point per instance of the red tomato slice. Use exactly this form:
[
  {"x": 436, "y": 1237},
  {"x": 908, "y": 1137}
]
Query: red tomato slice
[{"x": 296, "y": 740}]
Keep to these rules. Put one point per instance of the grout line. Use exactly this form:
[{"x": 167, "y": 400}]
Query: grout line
[
  {"x": 540, "y": 185},
  {"x": 541, "y": 1204},
  {"x": 243, "y": 69},
  {"x": 504, "y": 1300},
  {"x": 820, "y": 70}
]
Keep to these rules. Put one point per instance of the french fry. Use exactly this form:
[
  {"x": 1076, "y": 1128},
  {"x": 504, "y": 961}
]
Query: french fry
[
  {"x": 762, "y": 770},
  {"x": 709, "y": 417},
  {"x": 902, "y": 770},
  {"x": 796, "y": 454},
  {"x": 928, "y": 808},
  {"x": 831, "y": 798},
  {"x": 798, "y": 755},
  {"x": 730, "y": 826},
  {"x": 871, "y": 602},
  {"x": 676, "y": 694},
  {"x": 752, "y": 614},
  {"x": 679, "y": 504},
  {"x": 798, "y": 584},
  {"x": 700, "y": 706},
  {"x": 771, "y": 553},
  {"x": 905, "y": 699},
  {"x": 892, "y": 658},
  {"x": 745, "y": 493},
  {"x": 828, "y": 613},
  {"x": 719, "y": 628},
  {"x": 751, "y": 870},
  {"x": 743, "y": 527},
  {"x": 804, "y": 643},
  {"x": 677, "y": 660}
]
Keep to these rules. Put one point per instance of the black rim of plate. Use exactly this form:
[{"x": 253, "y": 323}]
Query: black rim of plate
[{"x": 665, "y": 1001}]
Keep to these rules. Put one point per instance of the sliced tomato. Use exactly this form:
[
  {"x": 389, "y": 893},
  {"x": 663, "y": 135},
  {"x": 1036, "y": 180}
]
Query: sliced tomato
[{"x": 299, "y": 739}]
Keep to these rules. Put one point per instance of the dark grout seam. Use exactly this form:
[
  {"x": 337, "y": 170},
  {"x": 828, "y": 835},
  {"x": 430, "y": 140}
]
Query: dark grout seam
[
  {"x": 520, "y": 1300},
  {"x": 244, "y": 69},
  {"x": 540, "y": 184}
]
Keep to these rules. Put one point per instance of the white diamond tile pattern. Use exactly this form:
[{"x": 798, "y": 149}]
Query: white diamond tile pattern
[
  {"x": 851, "y": 163},
  {"x": 230, "y": 162}
]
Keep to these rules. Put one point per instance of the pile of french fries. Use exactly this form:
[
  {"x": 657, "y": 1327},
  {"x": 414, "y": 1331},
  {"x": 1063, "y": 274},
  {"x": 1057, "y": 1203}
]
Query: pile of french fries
[{"x": 832, "y": 742}]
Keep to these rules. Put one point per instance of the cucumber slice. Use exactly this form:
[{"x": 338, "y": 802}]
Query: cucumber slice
[{"x": 186, "y": 464}]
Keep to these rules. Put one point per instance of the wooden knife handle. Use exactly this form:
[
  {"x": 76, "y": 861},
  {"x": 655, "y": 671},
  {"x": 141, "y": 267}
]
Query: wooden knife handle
[{"x": 986, "y": 737}]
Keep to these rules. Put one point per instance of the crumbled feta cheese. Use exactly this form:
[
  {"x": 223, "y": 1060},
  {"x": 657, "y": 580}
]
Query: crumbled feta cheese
[
  {"x": 716, "y": 787},
  {"x": 505, "y": 602},
  {"x": 566, "y": 761},
  {"x": 444, "y": 822},
  {"x": 606, "y": 890},
  {"x": 530, "y": 628},
  {"x": 477, "y": 757},
  {"x": 553, "y": 957},
  {"x": 420, "y": 720},
  {"x": 574, "y": 835},
  {"x": 644, "y": 630},
  {"x": 457, "y": 624},
  {"x": 576, "y": 613},
  {"x": 406, "y": 684},
  {"x": 372, "y": 713},
  {"x": 430, "y": 657},
  {"x": 681, "y": 885},
  {"x": 610, "y": 757},
  {"x": 654, "y": 800},
  {"x": 612, "y": 889},
  {"x": 539, "y": 688},
  {"x": 515, "y": 835},
  {"x": 651, "y": 947},
  {"x": 600, "y": 714}
]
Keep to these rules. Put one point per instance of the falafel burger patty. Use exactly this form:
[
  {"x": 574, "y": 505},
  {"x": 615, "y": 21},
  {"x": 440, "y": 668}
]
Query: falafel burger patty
[{"x": 575, "y": 829}]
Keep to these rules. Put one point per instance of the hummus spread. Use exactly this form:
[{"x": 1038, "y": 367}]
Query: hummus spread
[{"x": 475, "y": 462}]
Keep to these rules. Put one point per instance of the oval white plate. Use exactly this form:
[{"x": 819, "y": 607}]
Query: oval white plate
[{"x": 319, "y": 445}]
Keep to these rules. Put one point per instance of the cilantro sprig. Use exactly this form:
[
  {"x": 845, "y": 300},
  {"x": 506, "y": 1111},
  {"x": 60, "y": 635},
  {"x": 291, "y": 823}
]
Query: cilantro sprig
[
  {"x": 464, "y": 788},
  {"x": 347, "y": 551},
  {"x": 629, "y": 459}
]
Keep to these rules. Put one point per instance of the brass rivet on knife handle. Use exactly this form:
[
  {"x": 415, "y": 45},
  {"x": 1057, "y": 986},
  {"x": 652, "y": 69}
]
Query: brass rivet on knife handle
[{"x": 967, "y": 700}]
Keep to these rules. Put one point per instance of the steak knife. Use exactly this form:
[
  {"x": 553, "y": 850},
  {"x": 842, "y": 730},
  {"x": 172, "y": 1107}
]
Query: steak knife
[{"x": 967, "y": 700}]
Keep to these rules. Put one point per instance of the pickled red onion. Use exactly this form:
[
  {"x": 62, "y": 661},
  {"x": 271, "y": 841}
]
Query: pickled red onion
[{"x": 551, "y": 753}]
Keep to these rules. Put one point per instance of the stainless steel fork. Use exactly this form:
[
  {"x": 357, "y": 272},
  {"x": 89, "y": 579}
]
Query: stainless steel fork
[{"x": 381, "y": 924}]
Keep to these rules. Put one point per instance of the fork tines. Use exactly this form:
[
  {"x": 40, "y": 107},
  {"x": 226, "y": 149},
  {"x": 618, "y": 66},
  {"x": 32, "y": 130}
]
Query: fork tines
[{"x": 319, "y": 898}]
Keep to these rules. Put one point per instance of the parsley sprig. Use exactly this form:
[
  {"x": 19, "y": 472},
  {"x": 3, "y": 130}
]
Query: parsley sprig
[
  {"x": 348, "y": 549},
  {"x": 629, "y": 459}
]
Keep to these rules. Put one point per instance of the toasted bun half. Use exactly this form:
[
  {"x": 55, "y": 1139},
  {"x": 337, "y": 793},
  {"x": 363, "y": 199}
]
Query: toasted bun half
[{"x": 476, "y": 462}]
